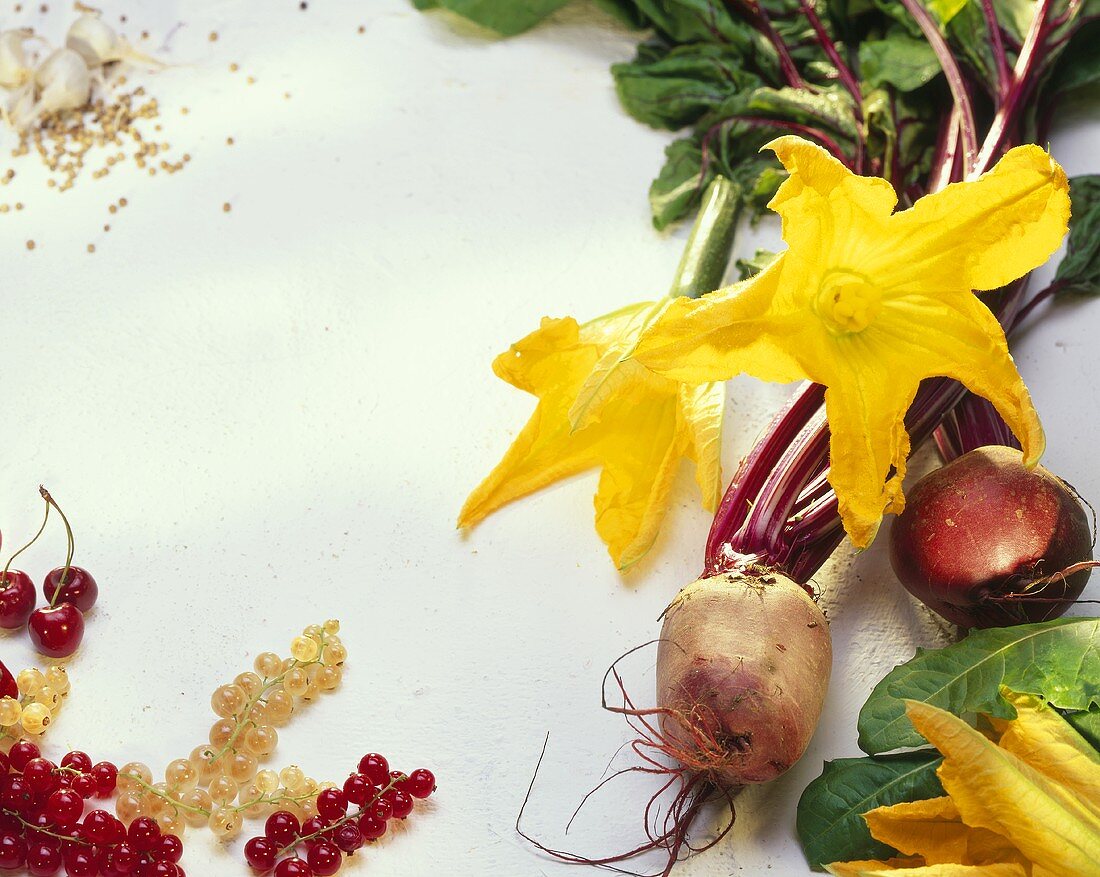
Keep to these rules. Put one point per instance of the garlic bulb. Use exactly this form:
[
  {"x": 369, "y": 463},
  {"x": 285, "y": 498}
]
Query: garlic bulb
[
  {"x": 14, "y": 69},
  {"x": 95, "y": 41},
  {"x": 64, "y": 82}
]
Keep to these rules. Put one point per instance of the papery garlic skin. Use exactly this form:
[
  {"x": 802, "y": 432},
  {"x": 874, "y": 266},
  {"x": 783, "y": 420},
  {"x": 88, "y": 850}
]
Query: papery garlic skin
[
  {"x": 64, "y": 82},
  {"x": 95, "y": 41},
  {"x": 14, "y": 69}
]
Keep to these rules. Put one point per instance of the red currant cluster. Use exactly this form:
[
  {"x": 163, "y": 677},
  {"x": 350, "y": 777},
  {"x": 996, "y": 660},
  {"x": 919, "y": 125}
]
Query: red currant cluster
[
  {"x": 44, "y": 829},
  {"x": 316, "y": 847},
  {"x": 57, "y": 628}
]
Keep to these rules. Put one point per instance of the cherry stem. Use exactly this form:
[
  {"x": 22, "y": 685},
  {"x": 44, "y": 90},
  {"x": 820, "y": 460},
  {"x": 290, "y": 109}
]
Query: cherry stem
[
  {"x": 11, "y": 560},
  {"x": 50, "y": 501}
]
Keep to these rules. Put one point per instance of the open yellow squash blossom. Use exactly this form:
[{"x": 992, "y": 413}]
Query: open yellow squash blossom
[
  {"x": 870, "y": 302},
  {"x": 1027, "y": 805},
  {"x": 598, "y": 408}
]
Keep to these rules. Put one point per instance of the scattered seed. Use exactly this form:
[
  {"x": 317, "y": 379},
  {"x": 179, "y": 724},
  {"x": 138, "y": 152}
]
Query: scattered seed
[
  {"x": 18, "y": 205},
  {"x": 91, "y": 248},
  {"x": 229, "y": 141},
  {"x": 251, "y": 80},
  {"x": 213, "y": 36},
  {"x": 113, "y": 208},
  {"x": 4, "y": 208},
  {"x": 362, "y": 28},
  {"x": 107, "y": 228},
  {"x": 122, "y": 202},
  {"x": 226, "y": 207},
  {"x": 30, "y": 245},
  {"x": 234, "y": 67},
  {"x": 185, "y": 111}
]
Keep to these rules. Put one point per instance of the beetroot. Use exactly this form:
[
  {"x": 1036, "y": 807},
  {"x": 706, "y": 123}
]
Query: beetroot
[
  {"x": 742, "y": 669},
  {"x": 983, "y": 541}
]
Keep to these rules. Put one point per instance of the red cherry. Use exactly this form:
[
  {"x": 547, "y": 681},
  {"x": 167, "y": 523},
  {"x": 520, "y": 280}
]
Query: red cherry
[
  {"x": 17, "y": 599},
  {"x": 324, "y": 858},
  {"x": 421, "y": 783},
  {"x": 260, "y": 853},
  {"x": 79, "y": 587},
  {"x": 8, "y": 688},
  {"x": 56, "y": 631}
]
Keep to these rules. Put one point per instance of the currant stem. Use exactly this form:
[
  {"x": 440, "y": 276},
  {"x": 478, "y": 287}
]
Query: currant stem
[
  {"x": 7, "y": 566},
  {"x": 290, "y": 847},
  {"x": 50, "y": 501}
]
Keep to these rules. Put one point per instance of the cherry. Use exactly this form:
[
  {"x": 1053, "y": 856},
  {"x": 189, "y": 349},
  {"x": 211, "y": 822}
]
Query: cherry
[
  {"x": 371, "y": 827},
  {"x": 8, "y": 688},
  {"x": 421, "y": 783},
  {"x": 57, "y": 631},
  {"x": 375, "y": 768},
  {"x": 17, "y": 599},
  {"x": 282, "y": 827},
  {"x": 324, "y": 858},
  {"x": 260, "y": 853},
  {"x": 71, "y": 584}
]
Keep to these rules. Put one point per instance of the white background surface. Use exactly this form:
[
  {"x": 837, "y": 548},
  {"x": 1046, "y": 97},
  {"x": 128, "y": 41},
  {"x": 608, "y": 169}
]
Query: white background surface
[{"x": 265, "y": 418}]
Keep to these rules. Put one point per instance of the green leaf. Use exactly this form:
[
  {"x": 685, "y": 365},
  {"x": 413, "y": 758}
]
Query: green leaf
[
  {"x": 945, "y": 10},
  {"x": 832, "y": 107},
  {"x": 680, "y": 183},
  {"x": 1079, "y": 270},
  {"x": 506, "y": 17},
  {"x": 624, "y": 10},
  {"x": 673, "y": 88},
  {"x": 1058, "y": 660},
  {"x": 898, "y": 60},
  {"x": 756, "y": 263},
  {"x": 1079, "y": 66},
  {"x": 830, "y": 812},
  {"x": 1087, "y": 725}
]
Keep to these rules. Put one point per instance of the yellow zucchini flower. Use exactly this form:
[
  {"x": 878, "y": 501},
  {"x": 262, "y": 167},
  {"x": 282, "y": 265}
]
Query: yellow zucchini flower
[
  {"x": 869, "y": 303},
  {"x": 598, "y": 408},
  {"x": 1023, "y": 804}
]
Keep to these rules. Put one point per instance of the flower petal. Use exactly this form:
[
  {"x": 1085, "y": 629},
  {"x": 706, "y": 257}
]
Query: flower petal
[
  {"x": 640, "y": 461},
  {"x": 958, "y": 337},
  {"x": 702, "y": 408},
  {"x": 995, "y": 790},
  {"x": 746, "y": 327},
  {"x": 865, "y": 404},
  {"x": 984, "y": 233},
  {"x": 913, "y": 868},
  {"x": 933, "y": 830}
]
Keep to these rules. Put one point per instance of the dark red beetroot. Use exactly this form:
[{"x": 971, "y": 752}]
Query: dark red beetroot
[{"x": 979, "y": 538}]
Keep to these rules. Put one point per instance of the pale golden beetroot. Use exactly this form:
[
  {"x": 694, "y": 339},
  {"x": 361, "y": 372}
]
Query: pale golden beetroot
[{"x": 742, "y": 669}]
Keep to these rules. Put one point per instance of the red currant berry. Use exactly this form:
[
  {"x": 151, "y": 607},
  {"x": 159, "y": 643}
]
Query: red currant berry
[
  {"x": 260, "y": 853},
  {"x": 63, "y": 808},
  {"x": 78, "y": 761},
  {"x": 371, "y": 827},
  {"x": 99, "y": 826},
  {"x": 421, "y": 783},
  {"x": 13, "y": 851},
  {"x": 293, "y": 867},
  {"x": 168, "y": 849},
  {"x": 56, "y": 631},
  {"x": 401, "y": 802},
  {"x": 143, "y": 834},
  {"x": 80, "y": 862},
  {"x": 85, "y": 785},
  {"x": 358, "y": 789},
  {"x": 40, "y": 776},
  {"x": 332, "y": 803},
  {"x": 122, "y": 859},
  {"x": 382, "y": 808},
  {"x": 21, "y": 753},
  {"x": 348, "y": 837},
  {"x": 8, "y": 688},
  {"x": 158, "y": 869},
  {"x": 70, "y": 585},
  {"x": 282, "y": 827},
  {"x": 325, "y": 859},
  {"x": 375, "y": 768},
  {"x": 17, "y": 599},
  {"x": 16, "y": 795},
  {"x": 106, "y": 778},
  {"x": 315, "y": 825},
  {"x": 43, "y": 860}
]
